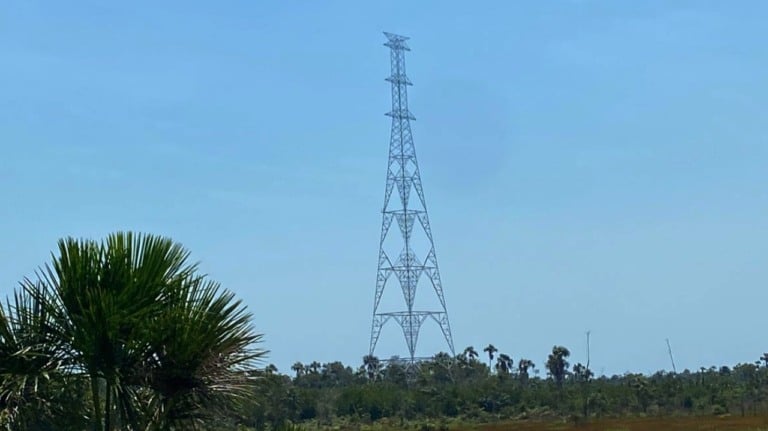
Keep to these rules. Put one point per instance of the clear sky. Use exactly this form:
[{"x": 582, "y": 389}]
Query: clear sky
[{"x": 588, "y": 165}]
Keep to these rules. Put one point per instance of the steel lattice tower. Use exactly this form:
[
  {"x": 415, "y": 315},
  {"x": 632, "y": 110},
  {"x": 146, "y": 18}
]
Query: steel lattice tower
[{"x": 403, "y": 175}]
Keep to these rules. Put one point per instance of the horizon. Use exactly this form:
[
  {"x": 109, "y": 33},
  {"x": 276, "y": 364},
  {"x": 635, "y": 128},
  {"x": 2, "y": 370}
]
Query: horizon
[{"x": 587, "y": 166}]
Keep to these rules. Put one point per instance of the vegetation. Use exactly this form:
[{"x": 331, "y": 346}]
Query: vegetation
[
  {"x": 126, "y": 335},
  {"x": 464, "y": 392},
  {"x": 123, "y": 334}
]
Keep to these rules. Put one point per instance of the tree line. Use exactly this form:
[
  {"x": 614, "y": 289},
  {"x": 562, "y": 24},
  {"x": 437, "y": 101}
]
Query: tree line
[{"x": 469, "y": 388}]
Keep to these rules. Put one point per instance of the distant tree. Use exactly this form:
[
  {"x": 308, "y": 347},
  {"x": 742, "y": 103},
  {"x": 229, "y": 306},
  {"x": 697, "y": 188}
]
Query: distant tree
[
  {"x": 395, "y": 372},
  {"x": 522, "y": 369},
  {"x": 440, "y": 368},
  {"x": 314, "y": 367},
  {"x": 372, "y": 366},
  {"x": 643, "y": 392},
  {"x": 557, "y": 365},
  {"x": 443, "y": 359},
  {"x": 581, "y": 373},
  {"x": 490, "y": 349},
  {"x": 298, "y": 367},
  {"x": 504, "y": 364},
  {"x": 470, "y": 354},
  {"x": 336, "y": 374}
]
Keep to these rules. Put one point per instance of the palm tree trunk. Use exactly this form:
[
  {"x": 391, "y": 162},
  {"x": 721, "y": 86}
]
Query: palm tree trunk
[
  {"x": 107, "y": 410},
  {"x": 96, "y": 403},
  {"x": 166, "y": 425}
]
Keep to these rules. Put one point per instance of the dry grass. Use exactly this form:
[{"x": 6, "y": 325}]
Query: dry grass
[{"x": 728, "y": 423}]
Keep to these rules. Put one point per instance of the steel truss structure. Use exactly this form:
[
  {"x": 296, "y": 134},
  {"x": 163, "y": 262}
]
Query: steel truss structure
[{"x": 403, "y": 175}]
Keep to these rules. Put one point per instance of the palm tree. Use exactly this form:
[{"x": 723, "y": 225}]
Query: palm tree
[
  {"x": 372, "y": 366},
  {"x": 557, "y": 364},
  {"x": 490, "y": 349},
  {"x": 470, "y": 354},
  {"x": 101, "y": 297},
  {"x": 522, "y": 369},
  {"x": 581, "y": 373},
  {"x": 504, "y": 363},
  {"x": 298, "y": 367},
  {"x": 314, "y": 367},
  {"x": 159, "y": 345}
]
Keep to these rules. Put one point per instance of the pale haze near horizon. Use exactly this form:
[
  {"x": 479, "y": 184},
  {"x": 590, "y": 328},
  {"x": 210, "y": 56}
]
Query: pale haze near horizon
[{"x": 587, "y": 165}]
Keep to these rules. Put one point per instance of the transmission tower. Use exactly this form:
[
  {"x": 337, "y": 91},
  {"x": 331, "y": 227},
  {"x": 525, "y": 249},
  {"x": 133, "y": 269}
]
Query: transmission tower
[{"x": 408, "y": 212}]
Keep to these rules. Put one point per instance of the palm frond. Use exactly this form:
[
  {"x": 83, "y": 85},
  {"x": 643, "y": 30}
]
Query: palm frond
[
  {"x": 204, "y": 348},
  {"x": 131, "y": 319}
]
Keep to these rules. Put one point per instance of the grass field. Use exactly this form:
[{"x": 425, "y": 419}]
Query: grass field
[{"x": 728, "y": 423}]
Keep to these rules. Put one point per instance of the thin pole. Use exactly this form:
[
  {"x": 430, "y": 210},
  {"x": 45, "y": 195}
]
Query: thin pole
[
  {"x": 588, "y": 332},
  {"x": 671, "y": 358}
]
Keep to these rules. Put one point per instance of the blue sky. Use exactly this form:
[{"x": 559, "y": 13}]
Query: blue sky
[{"x": 588, "y": 165}]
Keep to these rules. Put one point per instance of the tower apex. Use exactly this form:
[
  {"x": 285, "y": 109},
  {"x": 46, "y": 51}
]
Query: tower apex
[{"x": 396, "y": 41}]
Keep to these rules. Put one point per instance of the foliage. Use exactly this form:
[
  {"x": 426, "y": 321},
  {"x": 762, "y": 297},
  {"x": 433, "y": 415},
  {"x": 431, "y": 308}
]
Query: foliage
[
  {"x": 557, "y": 364},
  {"x": 123, "y": 334},
  {"x": 466, "y": 391}
]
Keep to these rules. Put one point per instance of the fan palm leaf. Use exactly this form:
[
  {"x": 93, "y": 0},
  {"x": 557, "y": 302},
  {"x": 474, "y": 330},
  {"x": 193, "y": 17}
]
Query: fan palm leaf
[{"x": 201, "y": 354}]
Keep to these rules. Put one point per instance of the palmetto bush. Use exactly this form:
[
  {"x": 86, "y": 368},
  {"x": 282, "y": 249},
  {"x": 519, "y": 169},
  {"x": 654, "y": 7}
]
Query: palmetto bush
[{"x": 123, "y": 334}]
